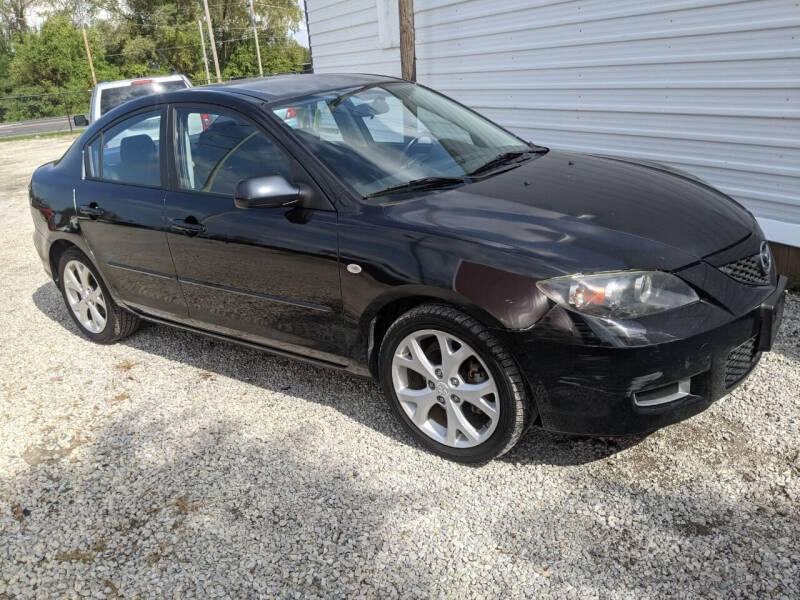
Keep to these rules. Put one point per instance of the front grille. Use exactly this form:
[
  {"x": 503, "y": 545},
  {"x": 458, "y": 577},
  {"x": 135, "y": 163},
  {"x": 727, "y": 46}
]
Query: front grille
[
  {"x": 747, "y": 271},
  {"x": 740, "y": 360}
]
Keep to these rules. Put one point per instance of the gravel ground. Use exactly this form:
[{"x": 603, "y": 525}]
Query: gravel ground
[{"x": 172, "y": 466}]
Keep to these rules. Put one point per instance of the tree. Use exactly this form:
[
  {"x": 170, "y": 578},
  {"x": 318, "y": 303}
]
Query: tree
[
  {"x": 13, "y": 17},
  {"x": 172, "y": 25},
  {"x": 133, "y": 38},
  {"x": 277, "y": 57},
  {"x": 54, "y": 62}
]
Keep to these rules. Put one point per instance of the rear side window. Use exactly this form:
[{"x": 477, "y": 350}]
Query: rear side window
[
  {"x": 128, "y": 152},
  {"x": 113, "y": 97},
  {"x": 215, "y": 151}
]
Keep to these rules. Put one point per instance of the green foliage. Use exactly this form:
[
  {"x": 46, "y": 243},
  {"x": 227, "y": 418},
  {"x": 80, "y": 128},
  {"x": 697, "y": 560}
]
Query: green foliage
[
  {"x": 52, "y": 59},
  {"x": 145, "y": 37}
]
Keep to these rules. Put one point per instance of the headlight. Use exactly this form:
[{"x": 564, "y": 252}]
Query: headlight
[{"x": 620, "y": 295}]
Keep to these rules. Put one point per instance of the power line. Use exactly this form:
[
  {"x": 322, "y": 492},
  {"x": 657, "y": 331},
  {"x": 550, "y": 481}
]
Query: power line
[
  {"x": 239, "y": 39},
  {"x": 177, "y": 26}
]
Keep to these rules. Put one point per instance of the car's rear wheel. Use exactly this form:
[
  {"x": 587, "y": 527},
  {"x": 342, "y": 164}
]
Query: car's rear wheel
[
  {"x": 90, "y": 305},
  {"x": 453, "y": 385}
]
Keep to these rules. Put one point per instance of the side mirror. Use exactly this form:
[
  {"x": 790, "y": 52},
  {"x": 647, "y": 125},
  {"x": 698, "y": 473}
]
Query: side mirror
[
  {"x": 271, "y": 191},
  {"x": 80, "y": 120}
]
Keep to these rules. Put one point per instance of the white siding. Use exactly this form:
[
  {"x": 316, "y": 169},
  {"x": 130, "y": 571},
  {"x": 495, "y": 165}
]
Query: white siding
[
  {"x": 354, "y": 36},
  {"x": 710, "y": 86}
]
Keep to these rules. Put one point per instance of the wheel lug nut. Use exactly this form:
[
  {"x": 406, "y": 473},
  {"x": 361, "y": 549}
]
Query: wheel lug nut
[
  {"x": 455, "y": 398},
  {"x": 440, "y": 399},
  {"x": 439, "y": 373},
  {"x": 431, "y": 385},
  {"x": 454, "y": 381}
]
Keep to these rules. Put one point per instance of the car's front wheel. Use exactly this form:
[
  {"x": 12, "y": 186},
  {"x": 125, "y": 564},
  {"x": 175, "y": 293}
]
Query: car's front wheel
[
  {"x": 453, "y": 385},
  {"x": 90, "y": 305}
]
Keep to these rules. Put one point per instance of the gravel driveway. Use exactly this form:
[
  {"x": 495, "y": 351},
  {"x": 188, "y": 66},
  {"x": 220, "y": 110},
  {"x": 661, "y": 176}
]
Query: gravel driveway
[{"x": 173, "y": 466}]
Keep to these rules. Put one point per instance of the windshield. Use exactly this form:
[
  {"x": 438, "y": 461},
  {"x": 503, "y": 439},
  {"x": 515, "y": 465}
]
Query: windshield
[
  {"x": 113, "y": 97},
  {"x": 383, "y": 136}
]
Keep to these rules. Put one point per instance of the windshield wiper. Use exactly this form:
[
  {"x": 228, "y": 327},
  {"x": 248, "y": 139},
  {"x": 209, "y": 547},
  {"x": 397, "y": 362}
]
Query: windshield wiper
[
  {"x": 504, "y": 159},
  {"x": 425, "y": 183}
]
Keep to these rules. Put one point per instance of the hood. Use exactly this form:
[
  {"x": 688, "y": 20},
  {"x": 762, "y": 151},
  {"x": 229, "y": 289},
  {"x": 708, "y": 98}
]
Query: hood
[{"x": 586, "y": 213}]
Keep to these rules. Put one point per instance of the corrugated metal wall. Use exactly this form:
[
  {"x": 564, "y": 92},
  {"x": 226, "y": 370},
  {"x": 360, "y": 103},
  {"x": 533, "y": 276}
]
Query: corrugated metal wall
[
  {"x": 354, "y": 36},
  {"x": 710, "y": 86}
]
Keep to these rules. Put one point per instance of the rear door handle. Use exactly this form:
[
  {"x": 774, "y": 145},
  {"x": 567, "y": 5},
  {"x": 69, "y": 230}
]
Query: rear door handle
[
  {"x": 187, "y": 227},
  {"x": 91, "y": 210}
]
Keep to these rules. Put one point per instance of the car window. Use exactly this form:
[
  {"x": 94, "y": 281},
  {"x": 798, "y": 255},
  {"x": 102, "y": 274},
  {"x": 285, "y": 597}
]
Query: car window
[
  {"x": 386, "y": 126},
  {"x": 442, "y": 128},
  {"x": 92, "y": 155},
  {"x": 129, "y": 152},
  {"x": 313, "y": 117},
  {"x": 395, "y": 133},
  {"x": 215, "y": 151},
  {"x": 114, "y": 96}
]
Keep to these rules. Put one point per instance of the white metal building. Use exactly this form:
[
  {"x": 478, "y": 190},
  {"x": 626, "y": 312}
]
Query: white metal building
[{"x": 711, "y": 86}]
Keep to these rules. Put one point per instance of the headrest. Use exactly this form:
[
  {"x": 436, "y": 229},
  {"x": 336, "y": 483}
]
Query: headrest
[{"x": 136, "y": 148}]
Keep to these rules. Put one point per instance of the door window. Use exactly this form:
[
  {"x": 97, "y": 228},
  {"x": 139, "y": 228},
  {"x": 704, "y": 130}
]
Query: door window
[
  {"x": 217, "y": 150},
  {"x": 129, "y": 152}
]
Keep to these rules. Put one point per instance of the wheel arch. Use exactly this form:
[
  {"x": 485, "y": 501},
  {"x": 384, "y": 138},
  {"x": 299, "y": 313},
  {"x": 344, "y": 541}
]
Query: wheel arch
[
  {"x": 57, "y": 249},
  {"x": 384, "y": 310}
]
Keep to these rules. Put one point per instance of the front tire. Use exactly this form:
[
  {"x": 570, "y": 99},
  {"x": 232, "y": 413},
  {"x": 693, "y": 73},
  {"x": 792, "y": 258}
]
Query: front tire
[
  {"x": 88, "y": 302},
  {"x": 453, "y": 385}
]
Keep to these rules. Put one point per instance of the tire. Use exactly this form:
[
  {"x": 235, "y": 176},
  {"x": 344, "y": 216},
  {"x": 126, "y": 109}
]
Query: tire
[
  {"x": 117, "y": 323},
  {"x": 493, "y": 423}
]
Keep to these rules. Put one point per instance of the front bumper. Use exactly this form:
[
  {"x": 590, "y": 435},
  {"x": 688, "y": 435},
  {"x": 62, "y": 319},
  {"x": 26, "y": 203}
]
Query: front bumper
[{"x": 600, "y": 390}]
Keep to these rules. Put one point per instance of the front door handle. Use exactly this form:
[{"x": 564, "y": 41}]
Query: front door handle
[
  {"x": 91, "y": 210},
  {"x": 189, "y": 226}
]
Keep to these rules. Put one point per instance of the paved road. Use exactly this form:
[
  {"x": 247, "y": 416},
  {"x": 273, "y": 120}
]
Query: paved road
[{"x": 49, "y": 125}]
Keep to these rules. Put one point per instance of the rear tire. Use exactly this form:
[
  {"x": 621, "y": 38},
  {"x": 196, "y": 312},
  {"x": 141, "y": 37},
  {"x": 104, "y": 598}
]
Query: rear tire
[
  {"x": 88, "y": 302},
  {"x": 453, "y": 385}
]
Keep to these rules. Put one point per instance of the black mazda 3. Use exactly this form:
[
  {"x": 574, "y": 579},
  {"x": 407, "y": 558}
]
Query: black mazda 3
[{"x": 373, "y": 225}]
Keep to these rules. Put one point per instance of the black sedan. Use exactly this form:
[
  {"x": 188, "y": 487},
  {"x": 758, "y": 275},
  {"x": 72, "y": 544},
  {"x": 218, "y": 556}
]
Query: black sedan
[{"x": 371, "y": 224}]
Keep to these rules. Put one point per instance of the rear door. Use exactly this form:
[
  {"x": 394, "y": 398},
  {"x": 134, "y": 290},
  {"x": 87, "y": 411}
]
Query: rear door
[
  {"x": 120, "y": 203},
  {"x": 269, "y": 275}
]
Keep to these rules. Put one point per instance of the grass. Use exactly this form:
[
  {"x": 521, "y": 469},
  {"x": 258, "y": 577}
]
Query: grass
[{"x": 39, "y": 136}]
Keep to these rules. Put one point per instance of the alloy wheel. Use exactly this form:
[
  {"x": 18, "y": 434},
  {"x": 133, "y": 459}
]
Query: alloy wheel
[
  {"x": 85, "y": 296},
  {"x": 445, "y": 389}
]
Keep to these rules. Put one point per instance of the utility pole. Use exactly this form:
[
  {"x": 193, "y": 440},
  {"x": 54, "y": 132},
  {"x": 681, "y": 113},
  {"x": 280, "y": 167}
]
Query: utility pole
[
  {"x": 203, "y": 44},
  {"x": 255, "y": 36},
  {"x": 211, "y": 40},
  {"x": 408, "y": 57},
  {"x": 88, "y": 53}
]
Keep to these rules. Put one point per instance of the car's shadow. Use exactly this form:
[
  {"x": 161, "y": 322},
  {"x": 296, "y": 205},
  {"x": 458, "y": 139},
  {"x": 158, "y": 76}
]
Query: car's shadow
[{"x": 356, "y": 397}]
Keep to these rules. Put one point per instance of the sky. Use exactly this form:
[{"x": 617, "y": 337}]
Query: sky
[{"x": 302, "y": 34}]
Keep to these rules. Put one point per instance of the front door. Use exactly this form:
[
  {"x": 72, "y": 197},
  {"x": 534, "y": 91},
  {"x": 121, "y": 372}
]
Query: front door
[
  {"x": 269, "y": 275},
  {"x": 120, "y": 206}
]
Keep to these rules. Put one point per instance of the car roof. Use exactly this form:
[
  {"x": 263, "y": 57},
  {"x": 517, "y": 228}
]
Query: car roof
[{"x": 284, "y": 87}]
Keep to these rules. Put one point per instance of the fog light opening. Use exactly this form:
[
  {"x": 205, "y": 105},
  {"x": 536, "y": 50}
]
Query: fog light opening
[{"x": 664, "y": 394}]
